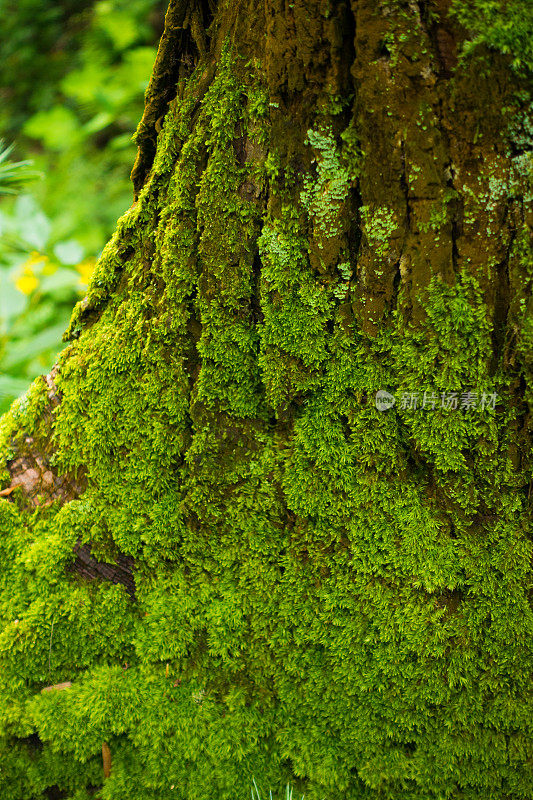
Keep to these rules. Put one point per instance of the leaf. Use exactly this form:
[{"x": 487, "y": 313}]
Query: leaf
[
  {"x": 69, "y": 252},
  {"x": 98, "y": 123},
  {"x": 45, "y": 340},
  {"x": 120, "y": 27},
  {"x": 12, "y": 302},
  {"x": 14, "y": 174},
  {"x": 54, "y": 128},
  {"x": 32, "y": 224},
  {"x": 62, "y": 282},
  {"x": 11, "y": 388}
]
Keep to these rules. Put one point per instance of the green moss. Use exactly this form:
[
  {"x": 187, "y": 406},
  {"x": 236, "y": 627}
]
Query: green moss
[
  {"x": 379, "y": 226},
  {"x": 506, "y": 27},
  {"x": 323, "y": 589},
  {"x": 323, "y": 196}
]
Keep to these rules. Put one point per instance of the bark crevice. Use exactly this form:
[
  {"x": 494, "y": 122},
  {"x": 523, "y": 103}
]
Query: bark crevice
[
  {"x": 90, "y": 568},
  {"x": 183, "y": 45}
]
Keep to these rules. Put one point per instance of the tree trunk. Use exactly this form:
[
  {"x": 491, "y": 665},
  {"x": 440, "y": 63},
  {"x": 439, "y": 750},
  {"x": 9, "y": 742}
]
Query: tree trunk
[{"x": 269, "y": 516}]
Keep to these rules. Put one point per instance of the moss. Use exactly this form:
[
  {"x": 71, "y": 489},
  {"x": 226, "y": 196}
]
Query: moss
[
  {"x": 324, "y": 197},
  {"x": 379, "y": 226},
  {"x": 505, "y": 27},
  {"x": 323, "y": 589}
]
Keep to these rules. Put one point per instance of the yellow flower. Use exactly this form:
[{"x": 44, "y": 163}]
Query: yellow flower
[
  {"x": 27, "y": 280},
  {"x": 85, "y": 268},
  {"x": 27, "y": 283},
  {"x": 36, "y": 258}
]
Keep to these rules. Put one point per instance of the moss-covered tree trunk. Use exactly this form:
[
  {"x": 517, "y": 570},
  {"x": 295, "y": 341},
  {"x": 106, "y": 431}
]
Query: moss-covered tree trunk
[{"x": 222, "y": 558}]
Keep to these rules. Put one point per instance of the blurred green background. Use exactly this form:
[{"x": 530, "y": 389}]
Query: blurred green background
[{"x": 72, "y": 80}]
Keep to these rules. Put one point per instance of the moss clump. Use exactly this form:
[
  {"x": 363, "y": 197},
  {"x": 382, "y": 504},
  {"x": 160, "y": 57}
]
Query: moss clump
[
  {"x": 379, "y": 226},
  {"x": 507, "y": 27}
]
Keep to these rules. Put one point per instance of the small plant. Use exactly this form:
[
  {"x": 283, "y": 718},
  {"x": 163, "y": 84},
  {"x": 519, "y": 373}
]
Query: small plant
[
  {"x": 13, "y": 174},
  {"x": 256, "y": 794}
]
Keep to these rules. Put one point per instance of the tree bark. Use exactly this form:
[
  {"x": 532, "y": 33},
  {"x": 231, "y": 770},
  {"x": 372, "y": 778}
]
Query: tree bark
[{"x": 246, "y": 562}]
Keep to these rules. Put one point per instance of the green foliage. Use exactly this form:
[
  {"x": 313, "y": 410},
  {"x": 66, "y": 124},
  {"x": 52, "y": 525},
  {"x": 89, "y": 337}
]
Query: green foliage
[
  {"x": 504, "y": 26},
  {"x": 13, "y": 174},
  {"x": 85, "y": 114},
  {"x": 40, "y": 279},
  {"x": 54, "y": 53},
  {"x": 76, "y": 75}
]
